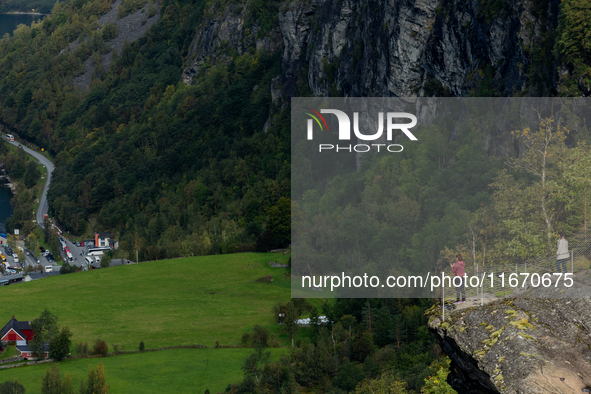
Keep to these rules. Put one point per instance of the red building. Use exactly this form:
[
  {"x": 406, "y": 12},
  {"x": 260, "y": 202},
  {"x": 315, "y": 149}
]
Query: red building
[{"x": 21, "y": 333}]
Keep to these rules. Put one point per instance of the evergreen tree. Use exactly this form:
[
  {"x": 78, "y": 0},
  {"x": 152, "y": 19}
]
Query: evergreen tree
[
  {"x": 100, "y": 386},
  {"x": 398, "y": 332},
  {"x": 52, "y": 381},
  {"x": 290, "y": 325},
  {"x": 44, "y": 329},
  {"x": 31, "y": 174},
  {"x": 67, "y": 385},
  {"x": 59, "y": 347}
]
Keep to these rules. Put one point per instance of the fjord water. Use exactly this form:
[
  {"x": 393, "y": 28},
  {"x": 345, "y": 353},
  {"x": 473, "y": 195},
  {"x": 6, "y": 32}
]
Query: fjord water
[
  {"x": 9, "y": 22},
  {"x": 5, "y": 207}
]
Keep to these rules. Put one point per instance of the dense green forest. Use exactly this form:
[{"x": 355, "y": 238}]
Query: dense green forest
[
  {"x": 179, "y": 170},
  {"x": 369, "y": 346},
  {"x": 175, "y": 169}
]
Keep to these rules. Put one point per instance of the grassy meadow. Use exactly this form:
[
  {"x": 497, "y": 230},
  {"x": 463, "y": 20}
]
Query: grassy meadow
[
  {"x": 185, "y": 301},
  {"x": 166, "y": 371}
]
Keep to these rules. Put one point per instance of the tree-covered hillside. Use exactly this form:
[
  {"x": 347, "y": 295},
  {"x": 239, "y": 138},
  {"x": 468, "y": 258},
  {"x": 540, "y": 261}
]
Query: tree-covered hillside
[{"x": 176, "y": 169}]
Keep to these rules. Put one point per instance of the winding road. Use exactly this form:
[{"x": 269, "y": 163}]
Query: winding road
[{"x": 43, "y": 207}]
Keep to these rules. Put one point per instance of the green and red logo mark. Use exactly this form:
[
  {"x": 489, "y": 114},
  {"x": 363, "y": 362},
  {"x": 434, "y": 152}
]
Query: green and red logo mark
[{"x": 315, "y": 115}]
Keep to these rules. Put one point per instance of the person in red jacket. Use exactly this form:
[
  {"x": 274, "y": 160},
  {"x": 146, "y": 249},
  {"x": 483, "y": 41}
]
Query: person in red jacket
[{"x": 458, "y": 270}]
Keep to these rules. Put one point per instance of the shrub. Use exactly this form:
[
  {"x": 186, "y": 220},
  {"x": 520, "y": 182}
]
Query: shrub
[
  {"x": 129, "y": 6},
  {"x": 273, "y": 340},
  {"x": 106, "y": 261},
  {"x": 82, "y": 349},
  {"x": 152, "y": 10},
  {"x": 142, "y": 347},
  {"x": 12, "y": 386},
  {"x": 110, "y": 31},
  {"x": 101, "y": 348},
  {"x": 67, "y": 268},
  {"x": 260, "y": 336},
  {"x": 245, "y": 340}
]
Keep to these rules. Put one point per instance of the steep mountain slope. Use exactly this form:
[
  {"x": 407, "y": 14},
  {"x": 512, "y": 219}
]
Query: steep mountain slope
[
  {"x": 400, "y": 48},
  {"x": 181, "y": 145}
]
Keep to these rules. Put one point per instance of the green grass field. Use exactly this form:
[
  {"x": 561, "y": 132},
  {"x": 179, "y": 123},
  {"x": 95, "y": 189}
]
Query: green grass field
[
  {"x": 185, "y": 301},
  {"x": 166, "y": 371},
  {"x": 10, "y": 351}
]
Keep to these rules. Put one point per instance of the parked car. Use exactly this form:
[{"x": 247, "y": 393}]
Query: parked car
[
  {"x": 48, "y": 268},
  {"x": 82, "y": 243}
]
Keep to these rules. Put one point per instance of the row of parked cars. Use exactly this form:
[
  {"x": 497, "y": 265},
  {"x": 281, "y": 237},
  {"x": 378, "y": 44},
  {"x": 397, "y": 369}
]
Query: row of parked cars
[
  {"x": 69, "y": 255},
  {"x": 9, "y": 252},
  {"x": 47, "y": 254}
]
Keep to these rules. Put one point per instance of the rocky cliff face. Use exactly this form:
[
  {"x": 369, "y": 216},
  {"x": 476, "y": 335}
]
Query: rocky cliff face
[
  {"x": 519, "y": 346},
  {"x": 387, "y": 48},
  {"x": 224, "y": 32}
]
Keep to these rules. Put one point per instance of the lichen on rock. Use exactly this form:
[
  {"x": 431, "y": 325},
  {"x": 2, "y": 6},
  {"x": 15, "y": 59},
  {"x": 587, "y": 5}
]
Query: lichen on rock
[{"x": 538, "y": 345}]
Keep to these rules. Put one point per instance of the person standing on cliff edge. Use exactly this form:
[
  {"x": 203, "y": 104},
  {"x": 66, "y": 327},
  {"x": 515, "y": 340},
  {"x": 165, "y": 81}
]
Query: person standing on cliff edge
[
  {"x": 458, "y": 270},
  {"x": 562, "y": 253}
]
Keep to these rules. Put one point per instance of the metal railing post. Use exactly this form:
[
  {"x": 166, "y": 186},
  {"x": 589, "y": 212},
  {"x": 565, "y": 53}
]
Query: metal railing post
[{"x": 443, "y": 299}]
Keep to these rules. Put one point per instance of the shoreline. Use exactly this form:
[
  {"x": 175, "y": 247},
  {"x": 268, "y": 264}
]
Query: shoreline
[
  {"x": 22, "y": 13},
  {"x": 4, "y": 185},
  {"x": 8, "y": 206}
]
